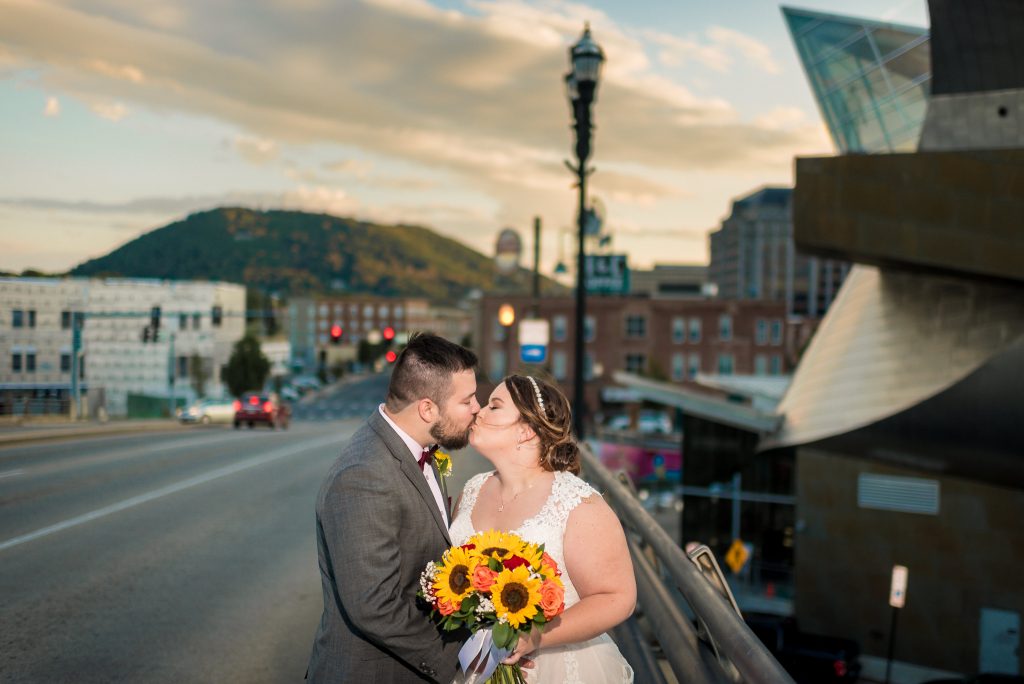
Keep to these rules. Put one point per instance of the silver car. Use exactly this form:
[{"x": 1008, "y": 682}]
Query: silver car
[{"x": 208, "y": 411}]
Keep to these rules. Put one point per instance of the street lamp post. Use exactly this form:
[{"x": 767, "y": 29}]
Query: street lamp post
[
  {"x": 586, "y": 58},
  {"x": 506, "y": 318}
]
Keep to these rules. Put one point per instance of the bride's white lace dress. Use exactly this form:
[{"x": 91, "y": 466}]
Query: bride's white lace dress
[{"x": 596, "y": 661}]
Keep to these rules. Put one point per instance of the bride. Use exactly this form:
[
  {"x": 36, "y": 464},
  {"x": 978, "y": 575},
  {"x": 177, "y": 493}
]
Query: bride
[{"x": 534, "y": 491}]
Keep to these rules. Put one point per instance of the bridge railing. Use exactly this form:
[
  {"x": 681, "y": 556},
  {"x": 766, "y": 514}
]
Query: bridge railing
[{"x": 715, "y": 647}]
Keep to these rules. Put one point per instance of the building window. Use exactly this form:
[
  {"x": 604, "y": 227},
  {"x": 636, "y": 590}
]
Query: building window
[
  {"x": 636, "y": 363},
  {"x": 636, "y": 326},
  {"x": 559, "y": 328},
  {"x": 588, "y": 366},
  {"x": 368, "y": 311},
  {"x": 777, "y": 331},
  {"x": 760, "y": 364},
  {"x": 216, "y": 314},
  {"x": 497, "y": 364},
  {"x": 679, "y": 367},
  {"x": 323, "y": 324},
  {"x": 182, "y": 366},
  {"x": 776, "y": 364},
  {"x": 65, "y": 320},
  {"x": 725, "y": 327},
  {"x": 196, "y": 318},
  {"x": 761, "y": 331},
  {"x": 182, "y": 321},
  {"x": 30, "y": 362},
  {"x": 65, "y": 363},
  {"x": 725, "y": 364},
  {"x": 353, "y": 310},
  {"x": 16, "y": 362},
  {"x": 17, "y": 318},
  {"x": 694, "y": 366},
  {"x": 398, "y": 312},
  {"x": 382, "y": 311},
  {"x": 694, "y": 330},
  {"x": 559, "y": 365},
  {"x": 323, "y": 310},
  {"x": 589, "y": 328},
  {"x": 321, "y": 339},
  {"x": 31, "y": 318},
  {"x": 678, "y": 330}
]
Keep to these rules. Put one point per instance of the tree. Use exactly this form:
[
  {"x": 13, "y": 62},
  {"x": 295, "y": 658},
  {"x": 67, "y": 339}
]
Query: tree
[
  {"x": 247, "y": 368},
  {"x": 198, "y": 374}
]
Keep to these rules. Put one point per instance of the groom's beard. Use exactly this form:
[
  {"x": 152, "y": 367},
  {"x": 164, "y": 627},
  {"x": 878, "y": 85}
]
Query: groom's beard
[{"x": 448, "y": 436}]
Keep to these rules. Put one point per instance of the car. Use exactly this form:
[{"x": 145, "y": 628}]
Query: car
[
  {"x": 648, "y": 423},
  {"x": 983, "y": 678},
  {"x": 208, "y": 411},
  {"x": 808, "y": 658},
  {"x": 254, "y": 407}
]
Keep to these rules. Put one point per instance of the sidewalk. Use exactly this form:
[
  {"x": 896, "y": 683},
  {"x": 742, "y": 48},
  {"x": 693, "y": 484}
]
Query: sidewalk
[{"x": 11, "y": 433}]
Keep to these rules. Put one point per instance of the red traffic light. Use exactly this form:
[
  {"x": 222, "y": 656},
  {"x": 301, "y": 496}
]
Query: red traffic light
[
  {"x": 391, "y": 356},
  {"x": 388, "y": 333},
  {"x": 335, "y": 333}
]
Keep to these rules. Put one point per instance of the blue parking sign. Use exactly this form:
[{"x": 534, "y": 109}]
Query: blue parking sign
[{"x": 533, "y": 353}]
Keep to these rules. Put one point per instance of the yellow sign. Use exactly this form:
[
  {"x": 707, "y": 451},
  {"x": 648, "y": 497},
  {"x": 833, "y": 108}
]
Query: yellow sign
[{"x": 737, "y": 555}]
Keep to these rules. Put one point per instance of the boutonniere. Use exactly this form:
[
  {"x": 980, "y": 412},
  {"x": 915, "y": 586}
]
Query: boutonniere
[{"x": 444, "y": 463}]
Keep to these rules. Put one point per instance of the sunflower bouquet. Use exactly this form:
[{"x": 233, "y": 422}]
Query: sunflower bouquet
[{"x": 498, "y": 586}]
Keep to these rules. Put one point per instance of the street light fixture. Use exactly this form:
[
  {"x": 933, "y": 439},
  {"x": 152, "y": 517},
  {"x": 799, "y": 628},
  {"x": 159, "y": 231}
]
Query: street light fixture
[
  {"x": 507, "y": 317},
  {"x": 586, "y": 58}
]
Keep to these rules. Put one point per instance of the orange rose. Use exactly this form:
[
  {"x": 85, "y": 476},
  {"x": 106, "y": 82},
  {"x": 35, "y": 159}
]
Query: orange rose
[
  {"x": 483, "y": 577},
  {"x": 552, "y": 599},
  {"x": 446, "y": 607},
  {"x": 550, "y": 562}
]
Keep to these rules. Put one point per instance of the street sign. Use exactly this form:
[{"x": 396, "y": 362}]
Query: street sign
[
  {"x": 737, "y": 555},
  {"x": 607, "y": 274},
  {"x": 898, "y": 591},
  {"x": 534, "y": 335}
]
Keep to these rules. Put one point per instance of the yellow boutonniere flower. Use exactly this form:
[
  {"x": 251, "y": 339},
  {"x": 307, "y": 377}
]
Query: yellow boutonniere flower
[{"x": 444, "y": 463}]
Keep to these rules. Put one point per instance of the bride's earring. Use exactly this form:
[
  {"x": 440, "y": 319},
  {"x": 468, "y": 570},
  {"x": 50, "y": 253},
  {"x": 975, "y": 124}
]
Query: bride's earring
[{"x": 519, "y": 446}]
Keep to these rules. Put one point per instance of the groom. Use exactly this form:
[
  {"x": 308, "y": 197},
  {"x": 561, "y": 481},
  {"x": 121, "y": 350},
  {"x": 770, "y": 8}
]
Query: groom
[{"x": 380, "y": 517}]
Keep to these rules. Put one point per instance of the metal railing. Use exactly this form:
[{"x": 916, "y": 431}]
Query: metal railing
[{"x": 718, "y": 646}]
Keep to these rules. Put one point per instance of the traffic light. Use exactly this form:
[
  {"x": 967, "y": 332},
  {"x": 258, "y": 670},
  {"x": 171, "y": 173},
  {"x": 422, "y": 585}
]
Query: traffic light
[
  {"x": 391, "y": 356},
  {"x": 336, "y": 332},
  {"x": 388, "y": 334}
]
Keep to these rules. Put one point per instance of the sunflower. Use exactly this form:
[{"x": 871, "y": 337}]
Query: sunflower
[
  {"x": 444, "y": 463},
  {"x": 532, "y": 554},
  {"x": 455, "y": 575},
  {"x": 496, "y": 544},
  {"x": 516, "y": 596}
]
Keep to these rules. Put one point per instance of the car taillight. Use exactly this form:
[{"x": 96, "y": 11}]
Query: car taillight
[
  {"x": 268, "y": 407},
  {"x": 840, "y": 667},
  {"x": 254, "y": 401},
  {"x": 237, "y": 405}
]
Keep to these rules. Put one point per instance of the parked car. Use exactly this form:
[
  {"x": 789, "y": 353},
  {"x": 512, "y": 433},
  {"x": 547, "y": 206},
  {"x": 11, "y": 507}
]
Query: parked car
[
  {"x": 808, "y": 658},
  {"x": 648, "y": 423},
  {"x": 208, "y": 411},
  {"x": 254, "y": 408}
]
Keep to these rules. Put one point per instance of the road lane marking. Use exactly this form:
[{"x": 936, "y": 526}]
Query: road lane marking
[
  {"x": 169, "y": 489},
  {"x": 10, "y": 473}
]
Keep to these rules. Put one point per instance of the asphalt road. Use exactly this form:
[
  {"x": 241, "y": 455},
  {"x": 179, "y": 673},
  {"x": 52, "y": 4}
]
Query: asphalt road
[{"x": 166, "y": 557}]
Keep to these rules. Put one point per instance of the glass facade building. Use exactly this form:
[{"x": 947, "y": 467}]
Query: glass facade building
[{"x": 871, "y": 79}]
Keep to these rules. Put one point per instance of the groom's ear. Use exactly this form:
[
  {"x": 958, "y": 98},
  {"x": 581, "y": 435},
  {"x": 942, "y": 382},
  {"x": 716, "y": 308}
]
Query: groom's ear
[{"x": 427, "y": 410}]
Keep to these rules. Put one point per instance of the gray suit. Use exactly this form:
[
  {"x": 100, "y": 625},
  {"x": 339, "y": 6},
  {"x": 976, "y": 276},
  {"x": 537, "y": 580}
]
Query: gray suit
[{"x": 377, "y": 526}]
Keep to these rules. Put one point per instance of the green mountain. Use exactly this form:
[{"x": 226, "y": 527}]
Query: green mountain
[{"x": 296, "y": 253}]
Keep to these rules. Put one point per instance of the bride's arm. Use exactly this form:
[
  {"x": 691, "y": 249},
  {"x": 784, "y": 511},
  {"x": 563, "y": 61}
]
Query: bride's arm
[{"x": 597, "y": 559}]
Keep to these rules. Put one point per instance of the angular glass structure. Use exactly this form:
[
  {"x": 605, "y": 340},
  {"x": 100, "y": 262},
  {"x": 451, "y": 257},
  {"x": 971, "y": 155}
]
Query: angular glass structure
[{"x": 871, "y": 79}]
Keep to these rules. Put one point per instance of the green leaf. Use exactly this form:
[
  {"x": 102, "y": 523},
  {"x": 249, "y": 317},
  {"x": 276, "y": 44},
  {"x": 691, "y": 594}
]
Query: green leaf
[
  {"x": 504, "y": 636},
  {"x": 495, "y": 565}
]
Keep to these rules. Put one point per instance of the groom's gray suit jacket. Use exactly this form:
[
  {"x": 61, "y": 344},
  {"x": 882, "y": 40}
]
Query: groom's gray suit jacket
[{"x": 377, "y": 526}]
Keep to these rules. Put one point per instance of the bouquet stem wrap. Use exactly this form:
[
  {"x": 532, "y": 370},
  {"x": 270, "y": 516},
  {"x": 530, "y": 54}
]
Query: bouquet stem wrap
[{"x": 481, "y": 652}]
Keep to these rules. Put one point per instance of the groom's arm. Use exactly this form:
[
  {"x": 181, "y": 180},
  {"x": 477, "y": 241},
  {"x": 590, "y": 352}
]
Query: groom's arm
[{"x": 362, "y": 521}]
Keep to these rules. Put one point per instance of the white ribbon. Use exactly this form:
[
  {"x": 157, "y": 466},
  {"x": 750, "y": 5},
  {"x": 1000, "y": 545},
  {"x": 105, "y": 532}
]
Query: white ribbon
[{"x": 481, "y": 650}]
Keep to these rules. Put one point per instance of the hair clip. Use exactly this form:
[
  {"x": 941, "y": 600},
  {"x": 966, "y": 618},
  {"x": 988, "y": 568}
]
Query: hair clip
[{"x": 536, "y": 390}]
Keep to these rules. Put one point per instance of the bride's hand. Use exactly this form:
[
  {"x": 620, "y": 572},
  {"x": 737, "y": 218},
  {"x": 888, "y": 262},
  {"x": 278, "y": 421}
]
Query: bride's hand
[{"x": 528, "y": 643}]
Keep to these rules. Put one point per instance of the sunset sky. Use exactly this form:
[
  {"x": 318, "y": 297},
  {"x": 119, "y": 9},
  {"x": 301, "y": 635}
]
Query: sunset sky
[{"x": 119, "y": 116}]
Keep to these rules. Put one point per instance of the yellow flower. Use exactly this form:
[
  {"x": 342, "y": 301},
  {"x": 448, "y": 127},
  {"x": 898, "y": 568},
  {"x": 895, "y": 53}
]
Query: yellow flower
[
  {"x": 532, "y": 554},
  {"x": 516, "y": 596},
  {"x": 497, "y": 544},
  {"x": 454, "y": 575},
  {"x": 444, "y": 463}
]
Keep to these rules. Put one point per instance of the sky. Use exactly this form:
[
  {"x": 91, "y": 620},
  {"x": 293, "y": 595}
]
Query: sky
[{"x": 120, "y": 116}]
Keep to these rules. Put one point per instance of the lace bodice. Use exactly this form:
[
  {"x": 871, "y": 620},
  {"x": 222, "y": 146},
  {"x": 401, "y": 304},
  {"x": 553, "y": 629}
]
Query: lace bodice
[{"x": 546, "y": 527}]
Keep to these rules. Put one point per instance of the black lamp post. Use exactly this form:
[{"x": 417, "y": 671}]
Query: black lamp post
[{"x": 586, "y": 58}]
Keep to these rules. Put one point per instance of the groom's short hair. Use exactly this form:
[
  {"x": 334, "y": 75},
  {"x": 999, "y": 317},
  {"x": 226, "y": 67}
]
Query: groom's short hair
[{"x": 425, "y": 368}]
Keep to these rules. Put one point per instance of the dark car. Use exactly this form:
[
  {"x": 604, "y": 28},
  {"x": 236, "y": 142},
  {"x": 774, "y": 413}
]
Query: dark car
[
  {"x": 808, "y": 658},
  {"x": 255, "y": 408}
]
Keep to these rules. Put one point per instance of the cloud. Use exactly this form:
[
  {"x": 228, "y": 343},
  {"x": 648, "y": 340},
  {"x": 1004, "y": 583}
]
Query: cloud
[
  {"x": 52, "y": 107},
  {"x": 717, "y": 53},
  {"x": 354, "y": 167},
  {"x": 255, "y": 150},
  {"x": 112, "y": 111}
]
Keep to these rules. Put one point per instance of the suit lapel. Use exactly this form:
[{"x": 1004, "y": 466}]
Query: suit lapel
[{"x": 409, "y": 468}]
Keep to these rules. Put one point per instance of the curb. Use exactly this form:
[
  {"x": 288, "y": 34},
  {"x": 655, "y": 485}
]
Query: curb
[{"x": 21, "y": 435}]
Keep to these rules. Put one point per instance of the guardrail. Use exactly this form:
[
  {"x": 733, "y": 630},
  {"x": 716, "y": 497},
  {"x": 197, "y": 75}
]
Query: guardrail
[
  {"x": 719, "y": 647},
  {"x": 36, "y": 406}
]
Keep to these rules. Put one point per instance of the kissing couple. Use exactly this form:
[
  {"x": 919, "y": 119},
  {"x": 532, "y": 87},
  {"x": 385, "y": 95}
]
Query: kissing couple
[{"x": 382, "y": 515}]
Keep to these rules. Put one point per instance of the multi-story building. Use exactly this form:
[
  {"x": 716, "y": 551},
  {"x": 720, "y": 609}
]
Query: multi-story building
[
  {"x": 196, "y": 320},
  {"x": 670, "y": 280},
  {"x": 753, "y": 257},
  {"x": 669, "y": 339}
]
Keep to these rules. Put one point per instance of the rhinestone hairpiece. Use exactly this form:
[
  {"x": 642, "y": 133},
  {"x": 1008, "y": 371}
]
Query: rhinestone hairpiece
[{"x": 536, "y": 390}]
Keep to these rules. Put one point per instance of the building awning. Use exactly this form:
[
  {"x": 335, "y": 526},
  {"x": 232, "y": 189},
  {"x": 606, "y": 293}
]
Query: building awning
[{"x": 699, "y": 405}]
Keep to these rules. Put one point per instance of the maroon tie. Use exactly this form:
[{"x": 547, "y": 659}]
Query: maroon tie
[{"x": 427, "y": 457}]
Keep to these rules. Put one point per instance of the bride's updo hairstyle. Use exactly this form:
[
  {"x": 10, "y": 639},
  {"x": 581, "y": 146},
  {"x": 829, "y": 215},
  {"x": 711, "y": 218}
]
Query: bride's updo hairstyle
[{"x": 552, "y": 423}]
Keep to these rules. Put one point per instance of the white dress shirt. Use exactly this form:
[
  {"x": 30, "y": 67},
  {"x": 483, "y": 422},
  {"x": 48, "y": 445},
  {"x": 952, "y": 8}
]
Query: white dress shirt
[{"x": 416, "y": 450}]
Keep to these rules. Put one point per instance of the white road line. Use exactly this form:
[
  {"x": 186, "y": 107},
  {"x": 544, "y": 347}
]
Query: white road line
[
  {"x": 10, "y": 473},
  {"x": 169, "y": 489}
]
